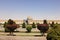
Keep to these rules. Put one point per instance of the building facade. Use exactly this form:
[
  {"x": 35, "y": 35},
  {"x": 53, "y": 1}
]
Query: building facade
[{"x": 30, "y": 21}]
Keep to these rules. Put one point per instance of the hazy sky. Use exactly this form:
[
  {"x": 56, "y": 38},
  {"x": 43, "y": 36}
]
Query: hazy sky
[{"x": 37, "y": 9}]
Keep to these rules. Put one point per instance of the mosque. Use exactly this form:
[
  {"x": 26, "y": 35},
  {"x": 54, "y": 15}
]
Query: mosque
[{"x": 31, "y": 20}]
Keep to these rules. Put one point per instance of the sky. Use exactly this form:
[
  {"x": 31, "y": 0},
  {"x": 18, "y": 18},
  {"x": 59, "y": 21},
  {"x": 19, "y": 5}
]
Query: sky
[{"x": 36, "y": 9}]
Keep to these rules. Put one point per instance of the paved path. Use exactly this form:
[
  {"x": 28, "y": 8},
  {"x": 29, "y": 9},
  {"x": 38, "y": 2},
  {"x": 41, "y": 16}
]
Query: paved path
[
  {"x": 21, "y": 34},
  {"x": 21, "y": 38}
]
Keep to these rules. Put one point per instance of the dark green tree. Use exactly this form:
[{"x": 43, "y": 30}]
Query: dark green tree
[
  {"x": 23, "y": 25},
  {"x": 33, "y": 25},
  {"x": 52, "y": 25},
  {"x": 44, "y": 21},
  {"x": 5, "y": 24},
  {"x": 6, "y": 29}
]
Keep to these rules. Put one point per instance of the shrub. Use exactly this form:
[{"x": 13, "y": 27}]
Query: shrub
[
  {"x": 23, "y": 25},
  {"x": 28, "y": 28},
  {"x": 33, "y": 25}
]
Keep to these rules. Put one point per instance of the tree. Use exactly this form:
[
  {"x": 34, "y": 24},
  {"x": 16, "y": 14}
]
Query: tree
[
  {"x": 5, "y": 24},
  {"x": 43, "y": 27},
  {"x": 6, "y": 29},
  {"x": 11, "y": 26},
  {"x": 52, "y": 25},
  {"x": 54, "y": 33},
  {"x": 44, "y": 21},
  {"x": 33, "y": 25},
  {"x": 23, "y": 25}
]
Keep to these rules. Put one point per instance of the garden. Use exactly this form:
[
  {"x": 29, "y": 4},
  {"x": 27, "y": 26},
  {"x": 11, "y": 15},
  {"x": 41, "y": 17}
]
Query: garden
[{"x": 52, "y": 30}]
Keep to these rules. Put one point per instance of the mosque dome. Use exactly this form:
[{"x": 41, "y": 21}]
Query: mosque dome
[{"x": 29, "y": 18}]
